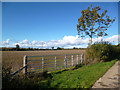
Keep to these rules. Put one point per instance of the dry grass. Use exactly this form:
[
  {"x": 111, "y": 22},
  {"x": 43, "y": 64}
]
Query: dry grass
[{"x": 14, "y": 59}]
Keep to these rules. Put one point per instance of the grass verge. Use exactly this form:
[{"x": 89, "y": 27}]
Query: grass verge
[{"x": 83, "y": 77}]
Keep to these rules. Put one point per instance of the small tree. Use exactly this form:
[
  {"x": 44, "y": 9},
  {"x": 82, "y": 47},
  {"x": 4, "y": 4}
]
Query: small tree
[
  {"x": 52, "y": 48},
  {"x": 17, "y": 47},
  {"x": 74, "y": 48},
  {"x": 58, "y": 48},
  {"x": 119, "y": 44},
  {"x": 93, "y": 24}
]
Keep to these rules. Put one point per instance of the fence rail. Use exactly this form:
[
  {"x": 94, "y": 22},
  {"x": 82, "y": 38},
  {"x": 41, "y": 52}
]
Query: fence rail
[
  {"x": 18, "y": 71},
  {"x": 50, "y": 62}
]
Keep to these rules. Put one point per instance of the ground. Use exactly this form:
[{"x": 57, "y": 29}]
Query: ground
[{"x": 110, "y": 79}]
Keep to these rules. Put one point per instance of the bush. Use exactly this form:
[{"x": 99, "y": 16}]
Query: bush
[
  {"x": 58, "y": 48},
  {"x": 118, "y": 52},
  {"x": 32, "y": 81},
  {"x": 102, "y": 51}
]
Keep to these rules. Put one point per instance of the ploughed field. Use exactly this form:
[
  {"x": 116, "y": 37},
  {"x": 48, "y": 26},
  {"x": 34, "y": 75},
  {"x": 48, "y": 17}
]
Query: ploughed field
[{"x": 14, "y": 59}]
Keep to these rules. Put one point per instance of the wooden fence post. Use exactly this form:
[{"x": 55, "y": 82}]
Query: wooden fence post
[
  {"x": 77, "y": 59},
  {"x": 55, "y": 62},
  {"x": 24, "y": 64},
  {"x": 42, "y": 64},
  {"x": 72, "y": 60},
  {"x": 65, "y": 61}
]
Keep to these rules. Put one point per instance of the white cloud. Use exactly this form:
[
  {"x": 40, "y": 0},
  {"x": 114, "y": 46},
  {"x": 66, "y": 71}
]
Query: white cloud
[
  {"x": 113, "y": 39},
  {"x": 66, "y": 42},
  {"x": 24, "y": 41},
  {"x": 34, "y": 42},
  {"x": 6, "y": 43}
]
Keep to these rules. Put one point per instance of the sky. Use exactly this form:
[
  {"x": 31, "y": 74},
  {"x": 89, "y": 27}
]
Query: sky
[{"x": 50, "y": 24}]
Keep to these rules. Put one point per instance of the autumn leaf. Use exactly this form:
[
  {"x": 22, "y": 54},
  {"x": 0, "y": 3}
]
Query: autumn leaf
[
  {"x": 78, "y": 20},
  {"x": 105, "y": 11},
  {"x": 102, "y": 27},
  {"x": 95, "y": 29},
  {"x": 81, "y": 30},
  {"x": 91, "y": 30},
  {"x": 77, "y": 26}
]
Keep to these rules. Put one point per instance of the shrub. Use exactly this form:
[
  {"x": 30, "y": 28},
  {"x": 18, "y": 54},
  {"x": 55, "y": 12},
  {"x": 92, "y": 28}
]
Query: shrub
[
  {"x": 58, "y": 48},
  {"x": 101, "y": 51},
  {"x": 118, "y": 52},
  {"x": 31, "y": 81}
]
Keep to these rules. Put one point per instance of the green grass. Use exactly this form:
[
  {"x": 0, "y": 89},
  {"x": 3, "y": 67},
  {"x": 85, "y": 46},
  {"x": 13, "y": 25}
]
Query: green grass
[{"x": 83, "y": 77}]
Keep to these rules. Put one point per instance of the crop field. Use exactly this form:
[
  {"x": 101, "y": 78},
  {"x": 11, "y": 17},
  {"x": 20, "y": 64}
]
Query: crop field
[{"x": 14, "y": 59}]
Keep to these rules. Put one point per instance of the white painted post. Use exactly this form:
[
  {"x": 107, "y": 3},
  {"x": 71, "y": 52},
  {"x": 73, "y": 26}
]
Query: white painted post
[
  {"x": 72, "y": 59},
  {"x": 55, "y": 62},
  {"x": 42, "y": 64},
  {"x": 65, "y": 61},
  {"x": 24, "y": 64},
  {"x": 77, "y": 59}
]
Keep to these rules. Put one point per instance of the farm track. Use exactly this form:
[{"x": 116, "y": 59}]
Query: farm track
[{"x": 14, "y": 59}]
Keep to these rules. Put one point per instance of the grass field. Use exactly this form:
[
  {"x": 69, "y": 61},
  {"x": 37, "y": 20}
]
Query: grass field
[{"x": 14, "y": 59}]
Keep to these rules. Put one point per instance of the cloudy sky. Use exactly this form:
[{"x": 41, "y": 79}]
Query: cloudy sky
[{"x": 46, "y": 25}]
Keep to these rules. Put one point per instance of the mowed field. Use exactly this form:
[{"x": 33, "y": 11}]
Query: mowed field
[{"x": 14, "y": 59}]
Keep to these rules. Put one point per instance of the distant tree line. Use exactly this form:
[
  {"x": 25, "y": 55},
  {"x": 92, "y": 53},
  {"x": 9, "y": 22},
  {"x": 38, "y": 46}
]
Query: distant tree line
[{"x": 17, "y": 48}]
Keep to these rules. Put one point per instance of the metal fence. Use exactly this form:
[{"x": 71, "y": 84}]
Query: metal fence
[{"x": 51, "y": 62}]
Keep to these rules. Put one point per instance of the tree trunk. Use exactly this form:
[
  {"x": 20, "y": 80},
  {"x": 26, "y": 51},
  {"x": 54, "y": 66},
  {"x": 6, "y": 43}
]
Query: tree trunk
[{"x": 91, "y": 41}]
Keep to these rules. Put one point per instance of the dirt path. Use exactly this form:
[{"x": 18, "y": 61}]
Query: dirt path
[{"x": 111, "y": 79}]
